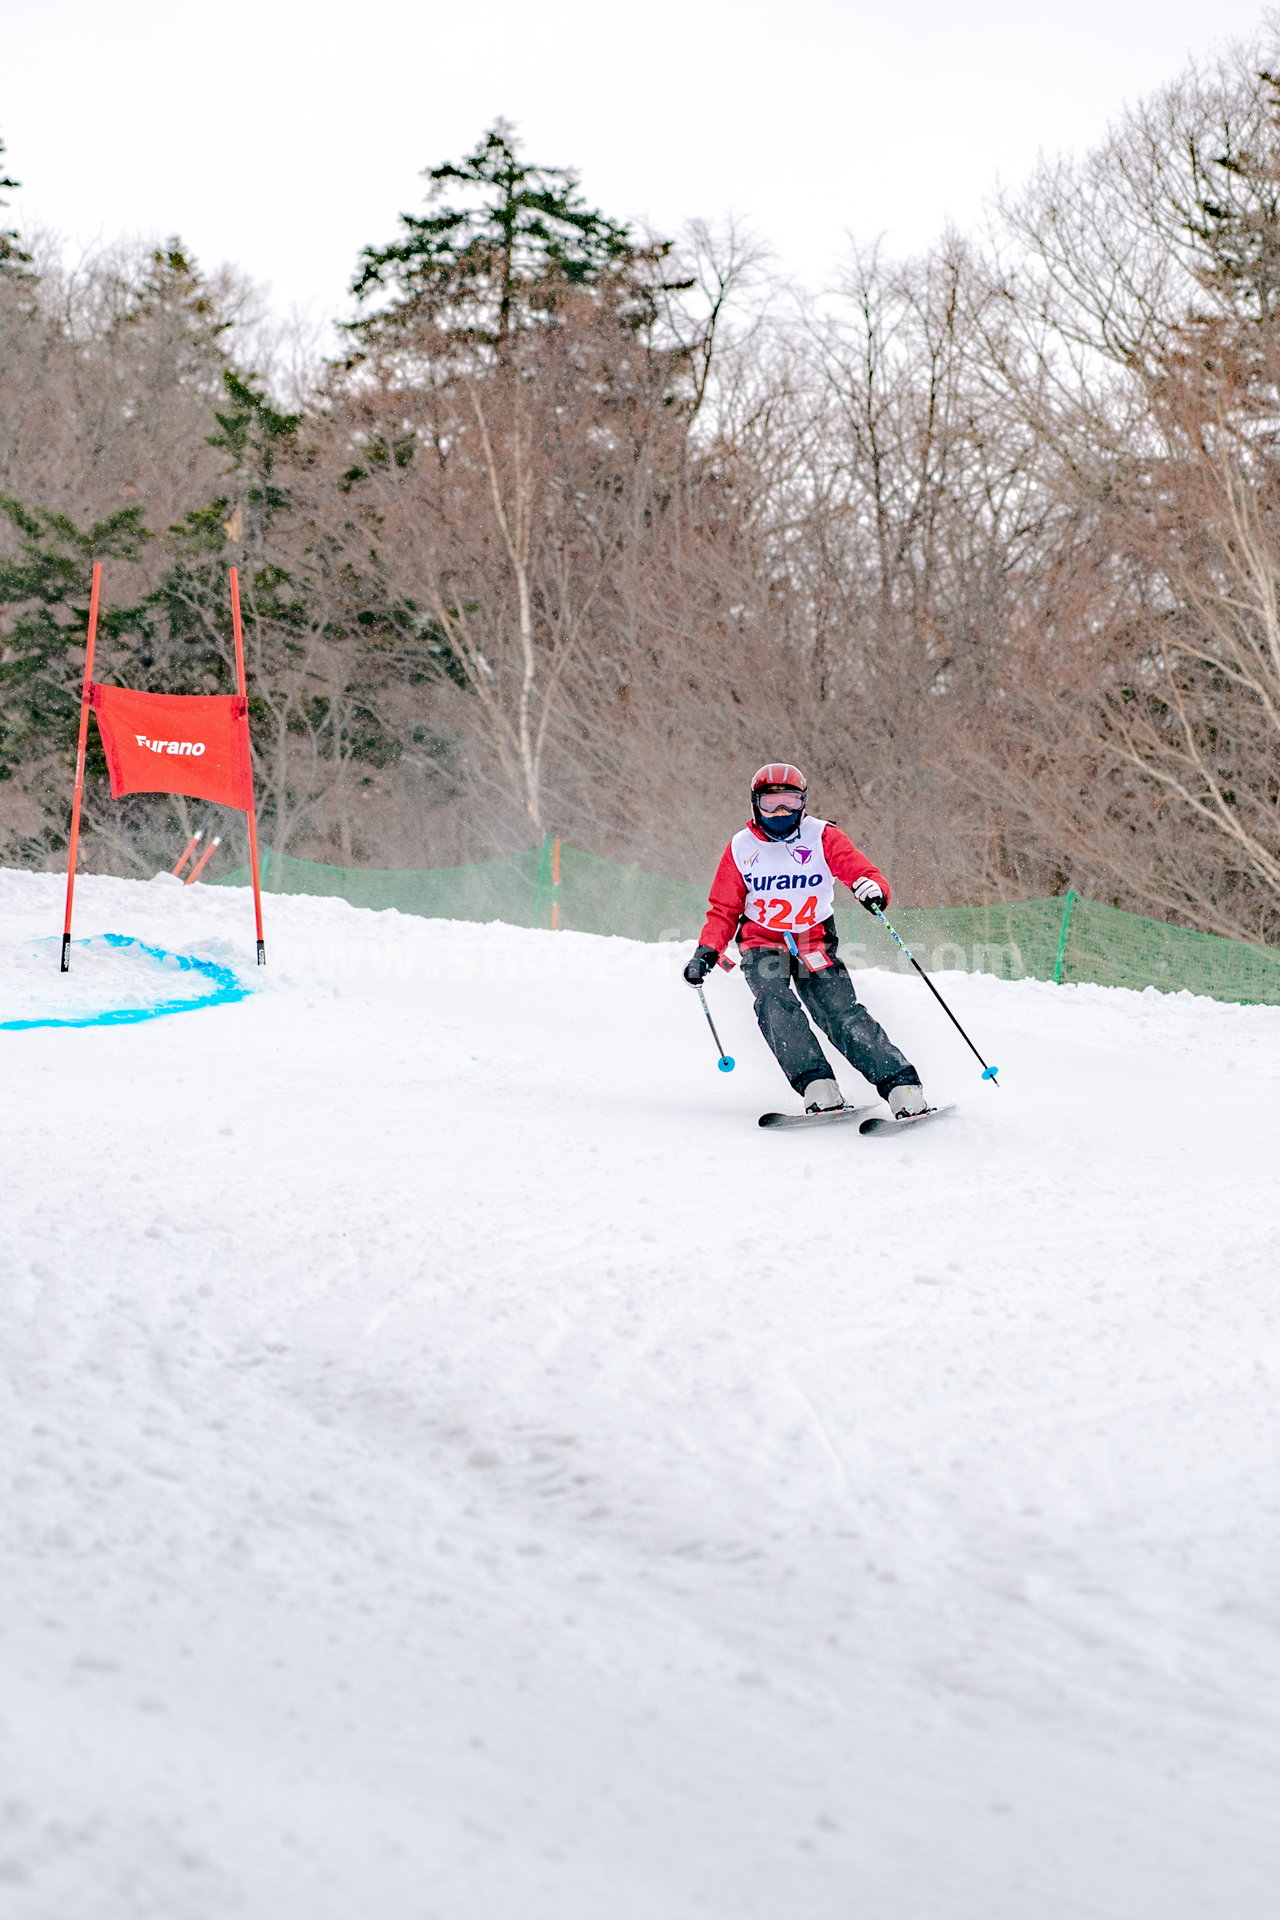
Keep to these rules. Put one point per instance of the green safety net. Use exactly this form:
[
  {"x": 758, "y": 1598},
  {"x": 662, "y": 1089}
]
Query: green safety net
[
  {"x": 488, "y": 890},
  {"x": 1065, "y": 939}
]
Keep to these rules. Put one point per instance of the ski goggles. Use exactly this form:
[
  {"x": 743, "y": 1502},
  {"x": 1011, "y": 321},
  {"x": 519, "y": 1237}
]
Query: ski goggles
[{"x": 780, "y": 799}]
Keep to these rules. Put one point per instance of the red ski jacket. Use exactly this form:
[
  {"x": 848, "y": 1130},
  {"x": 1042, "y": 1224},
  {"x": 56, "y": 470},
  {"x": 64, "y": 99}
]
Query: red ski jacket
[{"x": 773, "y": 918}]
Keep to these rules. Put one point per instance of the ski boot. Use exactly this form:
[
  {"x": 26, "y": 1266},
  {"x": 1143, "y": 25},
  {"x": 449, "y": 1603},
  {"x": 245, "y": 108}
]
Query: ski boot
[
  {"x": 823, "y": 1096},
  {"x": 906, "y": 1100}
]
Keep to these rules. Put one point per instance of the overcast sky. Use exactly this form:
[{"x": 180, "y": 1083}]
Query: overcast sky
[{"x": 284, "y": 136}]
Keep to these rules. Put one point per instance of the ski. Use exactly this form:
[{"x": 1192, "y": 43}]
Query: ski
[
  {"x": 815, "y": 1119},
  {"x": 885, "y": 1122}
]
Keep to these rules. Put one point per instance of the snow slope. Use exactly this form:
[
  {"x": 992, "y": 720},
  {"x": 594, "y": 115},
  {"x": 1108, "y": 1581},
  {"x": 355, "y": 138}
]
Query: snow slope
[{"x": 460, "y": 1468}]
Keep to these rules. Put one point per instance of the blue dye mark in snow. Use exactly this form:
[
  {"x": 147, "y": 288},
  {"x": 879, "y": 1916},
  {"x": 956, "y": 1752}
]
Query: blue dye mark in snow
[{"x": 224, "y": 986}]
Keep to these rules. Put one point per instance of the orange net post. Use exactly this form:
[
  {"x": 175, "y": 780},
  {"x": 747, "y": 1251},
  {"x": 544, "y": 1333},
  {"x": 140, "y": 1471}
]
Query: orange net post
[
  {"x": 242, "y": 689},
  {"x": 73, "y": 847}
]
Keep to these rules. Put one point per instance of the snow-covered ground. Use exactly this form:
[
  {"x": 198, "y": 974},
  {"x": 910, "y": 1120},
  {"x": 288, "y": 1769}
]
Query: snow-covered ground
[{"x": 460, "y": 1468}]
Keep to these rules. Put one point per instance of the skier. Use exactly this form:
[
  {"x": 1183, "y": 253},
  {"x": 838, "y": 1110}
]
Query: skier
[{"x": 774, "y": 889}]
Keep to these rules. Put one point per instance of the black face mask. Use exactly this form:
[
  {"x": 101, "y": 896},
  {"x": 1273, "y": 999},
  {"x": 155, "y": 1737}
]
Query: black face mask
[{"x": 777, "y": 826}]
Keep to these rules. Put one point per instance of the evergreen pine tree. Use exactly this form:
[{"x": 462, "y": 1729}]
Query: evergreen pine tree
[
  {"x": 255, "y": 434},
  {"x": 498, "y": 259},
  {"x": 1234, "y": 223},
  {"x": 12, "y": 257},
  {"x": 43, "y": 661},
  {"x": 172, "y": 318}
]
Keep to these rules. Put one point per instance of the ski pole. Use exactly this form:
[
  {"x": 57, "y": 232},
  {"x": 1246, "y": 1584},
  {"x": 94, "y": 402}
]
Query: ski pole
[
  {"x": 726, "y": 1060},
  {"x": 988, "y": 1073}
]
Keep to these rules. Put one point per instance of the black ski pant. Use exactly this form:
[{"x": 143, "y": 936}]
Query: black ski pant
[{"x": 828, "y": 996}]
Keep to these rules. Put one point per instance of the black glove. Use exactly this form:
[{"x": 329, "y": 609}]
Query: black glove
[
  {"x": 700, "y": 965},
  {"x": 869, "y": 894}
]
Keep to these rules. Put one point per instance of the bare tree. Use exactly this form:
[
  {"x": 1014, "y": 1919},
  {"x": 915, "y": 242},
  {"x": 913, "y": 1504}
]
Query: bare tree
[{"x": 1140, "y": 342}]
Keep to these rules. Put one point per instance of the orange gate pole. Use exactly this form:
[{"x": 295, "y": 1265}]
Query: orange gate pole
[
  {"x": 253, "y": 818},
  {"x": 74, "y": 844},
  {"x": 555, "y": 888},
  {"x": 190, "y": 848},
  {"x": 203, "y": 861}
]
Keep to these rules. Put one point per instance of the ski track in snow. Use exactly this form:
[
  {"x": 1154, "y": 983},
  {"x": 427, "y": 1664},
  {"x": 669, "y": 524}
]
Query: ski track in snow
[{"x": 462, "y": 1469}]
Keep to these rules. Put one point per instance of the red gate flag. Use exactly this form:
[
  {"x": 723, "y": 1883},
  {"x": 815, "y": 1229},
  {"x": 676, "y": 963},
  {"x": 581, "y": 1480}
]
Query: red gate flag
[
  {"x": 197, "y": 744},
  {"x": 192, "y": 743}
]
